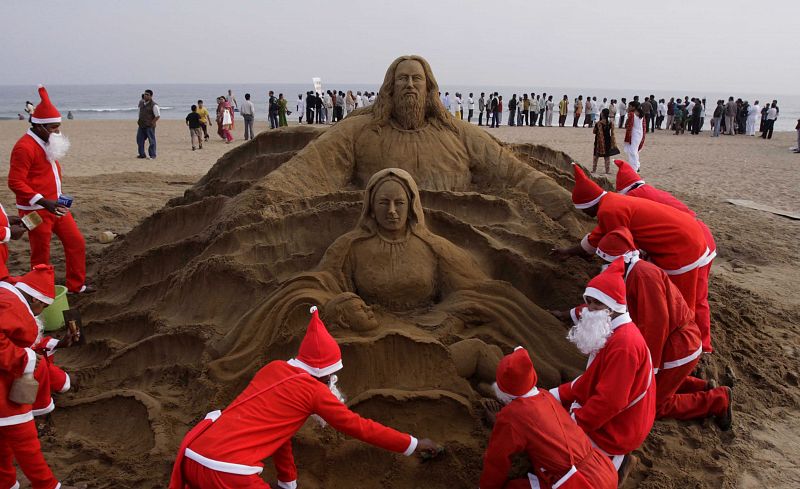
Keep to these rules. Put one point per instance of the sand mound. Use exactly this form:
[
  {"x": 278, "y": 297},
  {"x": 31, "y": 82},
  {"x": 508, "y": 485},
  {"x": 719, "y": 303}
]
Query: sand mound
[{"x": 176, "y": 287}]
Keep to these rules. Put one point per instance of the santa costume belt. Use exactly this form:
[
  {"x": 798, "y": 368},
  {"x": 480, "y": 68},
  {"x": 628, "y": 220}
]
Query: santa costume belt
[
  {"x": 702, "y": 261},
  {"x": 682, "y": 361},
  {"x": 210, "y": 463}
]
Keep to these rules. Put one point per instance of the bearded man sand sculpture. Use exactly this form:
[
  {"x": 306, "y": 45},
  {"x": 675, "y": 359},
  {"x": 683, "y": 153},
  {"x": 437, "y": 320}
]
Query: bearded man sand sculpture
[{"x": 408, "y": 128}]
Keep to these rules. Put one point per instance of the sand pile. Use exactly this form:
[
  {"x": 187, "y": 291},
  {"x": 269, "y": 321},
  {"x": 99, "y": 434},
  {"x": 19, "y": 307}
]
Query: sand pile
[{"x": 196, "y": 277}]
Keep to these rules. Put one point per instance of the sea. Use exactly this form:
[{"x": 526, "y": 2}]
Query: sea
[{"x": 175, "y": 100}]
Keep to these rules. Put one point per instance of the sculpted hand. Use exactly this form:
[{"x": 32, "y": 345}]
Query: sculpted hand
[{"x": 560, "y": 253}]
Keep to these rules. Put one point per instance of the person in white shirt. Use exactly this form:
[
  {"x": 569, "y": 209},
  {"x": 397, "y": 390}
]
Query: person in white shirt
[
  {"x": 471, "y": 107},
  {"x": 662, "y": 113},
  {"x": 248, "y": 110},
  {"x": 300, "y": 107},
  {"x": 752, "y": 114},
  {"x": 772, "y": 116}
]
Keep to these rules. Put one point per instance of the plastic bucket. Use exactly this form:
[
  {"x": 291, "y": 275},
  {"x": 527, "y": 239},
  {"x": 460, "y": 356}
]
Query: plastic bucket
[{"x": 53, "y": 316}]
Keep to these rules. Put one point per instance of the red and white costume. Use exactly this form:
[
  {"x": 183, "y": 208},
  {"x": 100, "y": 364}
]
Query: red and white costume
[
  {"x": 32, "y": 177},
  {"x": 614, "y": 399},
  {"x": 19, "y": 439},
  {"x": 667, "y": 325},
  {"x": 5, "y": 237},
  {"x": 227, "y": 449},
  {"x": 672, "y": 239},
  {"x": 52, "y": 378},
  {"x": 630, "y": 183},
  {"x": 535, "y": 424}
]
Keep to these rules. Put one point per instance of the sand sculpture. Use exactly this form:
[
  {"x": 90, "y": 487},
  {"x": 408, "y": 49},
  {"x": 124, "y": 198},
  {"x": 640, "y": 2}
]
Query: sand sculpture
[{"x": 201, "y": 293}]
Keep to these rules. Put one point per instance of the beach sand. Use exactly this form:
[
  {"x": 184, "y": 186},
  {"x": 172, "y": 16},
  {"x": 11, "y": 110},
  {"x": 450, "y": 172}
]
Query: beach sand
[{"x": 753, "y": 301}]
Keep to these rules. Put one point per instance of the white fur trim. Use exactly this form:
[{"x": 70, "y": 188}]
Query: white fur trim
[
  {"x": 36, "y": 198},
  {"x": 12, "y": 289},
  {"x": 554, "y": 392},
  {"x": 213, "y": 415},
  {"x": 591, "y": 203},
  {"x": 15, "y": 486},
  {"x": 30, "y": 364},
  {"x": 684, "y": 360},
  {"x": 33, "y": 292},
  {"x": 620, "y": 320},
  {"x": 226, "y": 467},
  {"x": 605, "y": 299},
  {"x": 16, "y": 419},
  {"x": 50, "y": 120},
  {"x": 47, "y": 410},
  {"x": 412, "y": 445},
  {"x": 316, "y": 372},
  {"x": 629, "y": 187},
  {"x": 534, "y": 481},
  {"x": 67, "y": 384},
  {"x": 287, "y": 485},
  {"x": 688, "y": 268},
  {"x": 587, "y": 247},
  {"x": 51, "y": 345},
  {"x": 534, "y": 391},
  {"x": 6, "y": 234},
  {"x": 560, "y": 482}
]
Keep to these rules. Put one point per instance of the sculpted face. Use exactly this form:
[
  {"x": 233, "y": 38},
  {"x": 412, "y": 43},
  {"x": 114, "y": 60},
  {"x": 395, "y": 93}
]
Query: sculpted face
[
  {"x": 408, "y": 97},
  {"x": 390, "y": 208},
  {"x": 360, "y": 315}
]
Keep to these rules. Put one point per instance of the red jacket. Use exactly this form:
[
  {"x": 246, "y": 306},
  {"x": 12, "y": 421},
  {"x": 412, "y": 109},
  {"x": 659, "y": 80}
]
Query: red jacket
[
  {"x": 661, "y": 314},
  {"x": 540, "y": 428},
  {"x": 614, "y": 400},
  {"x": 18, "y": 331},
  {"x": 649, "y": 192},
  {"x": 672, "y": 239},
  {"x": 263, "y": 426},
  {"x": 31, "y": 176},
  {"x": 5, "y": 237}
]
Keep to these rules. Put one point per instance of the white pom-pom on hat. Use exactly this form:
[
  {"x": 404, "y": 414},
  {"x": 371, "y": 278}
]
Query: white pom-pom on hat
[{"x": 313, "y": 309}]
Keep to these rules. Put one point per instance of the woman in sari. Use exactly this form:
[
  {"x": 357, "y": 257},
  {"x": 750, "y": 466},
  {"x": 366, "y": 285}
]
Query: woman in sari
[
  {"x": 226, "y": 121},
  {"x": 605, "y": 144},
  {"x": 219, "y": 116},
  {"x": 282, "y": 110}
]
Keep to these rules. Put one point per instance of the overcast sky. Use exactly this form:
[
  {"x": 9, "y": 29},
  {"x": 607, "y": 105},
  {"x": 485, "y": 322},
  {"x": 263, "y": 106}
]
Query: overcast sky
[{"x": 709, "y": 45}]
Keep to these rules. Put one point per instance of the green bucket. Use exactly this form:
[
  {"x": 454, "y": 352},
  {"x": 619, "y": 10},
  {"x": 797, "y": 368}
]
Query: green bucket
[{"x": 53, "y": 315}]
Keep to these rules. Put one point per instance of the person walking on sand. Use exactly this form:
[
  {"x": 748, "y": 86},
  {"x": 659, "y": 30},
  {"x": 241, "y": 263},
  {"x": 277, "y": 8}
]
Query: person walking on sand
[
  {"x": 634, "y": 134},
  {"x": 248, "y": 112},
  {"x": 205, "y": 118},
  {"x": 228, "y": 448},
  {"x": 193, "y": 122},
  {"x": 232, "y": 100},
  {"x": 577, "y": 110},
  {"x": 563, "y": 108},
  {"x": 623, "y": 111},
  {"x": 34, "y": 176},
  {"x": 272, "y": 110},
  {"x": 587, "y": 112},
  {"x": 605, "y": 143},
  {"x": 226, "y": 119},
  {"x": 282, "y": 111},
  {"x": 149, "y": 114}
]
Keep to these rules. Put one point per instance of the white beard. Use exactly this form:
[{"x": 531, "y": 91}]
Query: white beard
[
  {"x": 501, "y": 396},
  {"x": 40, "y": 331},
  {"x": 57, "y": 146},
  {"x": 592, "y": 331},
  {"x": 336, "y": 393}
]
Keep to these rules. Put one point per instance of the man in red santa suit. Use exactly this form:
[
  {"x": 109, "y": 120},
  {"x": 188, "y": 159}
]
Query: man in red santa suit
[
  {"x": 532, "y": 422},
  {"x": 667, "y": 325},
  {"x": 227, "y": 448},
  {"x": 19, "y": 304},
  {"x": 672, "y": 239},
  {"x": 614, "y": 399},
  {"x": 10, "y": 228},
  {"x": 630, "y": 183},
  {"x": 34, "y": 176}
]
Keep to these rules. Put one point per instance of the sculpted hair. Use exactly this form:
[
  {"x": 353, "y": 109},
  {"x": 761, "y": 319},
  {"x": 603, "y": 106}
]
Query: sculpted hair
[{"x": 435, "y": 113}]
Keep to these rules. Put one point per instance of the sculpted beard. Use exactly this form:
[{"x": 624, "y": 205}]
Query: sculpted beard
[
  {"x": 57, "y": 146},
  {"x": 409, "y": 109},
  {"x": 591, "y": 332}
]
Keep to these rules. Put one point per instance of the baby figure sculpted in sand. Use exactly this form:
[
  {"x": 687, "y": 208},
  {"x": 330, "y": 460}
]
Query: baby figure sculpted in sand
[
  {"x": 408, "y": 127},
  {"x": 392, "y": 272}
]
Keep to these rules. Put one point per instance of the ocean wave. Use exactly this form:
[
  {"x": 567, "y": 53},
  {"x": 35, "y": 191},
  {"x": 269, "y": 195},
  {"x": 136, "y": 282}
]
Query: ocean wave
[{"x": 116, "y": 109}]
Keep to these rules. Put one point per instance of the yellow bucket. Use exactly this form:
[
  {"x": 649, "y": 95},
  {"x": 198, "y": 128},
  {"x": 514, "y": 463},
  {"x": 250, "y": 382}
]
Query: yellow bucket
[{"x": 53, "y": 316}]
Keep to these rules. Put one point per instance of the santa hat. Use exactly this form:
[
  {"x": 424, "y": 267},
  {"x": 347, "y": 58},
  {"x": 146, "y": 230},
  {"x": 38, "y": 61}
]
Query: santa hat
[
  {"x": 515, "y": 374},
  {"x": 319, "y": 353},
  {"x": 45, "y": 112},
  {"x": 609, "y": 287},
  {"x": 586, "y": 192},
  {"x": 626, "y": 177},
  {"x": 618, "y": 243},
  {"x": 39, "y": 283}
]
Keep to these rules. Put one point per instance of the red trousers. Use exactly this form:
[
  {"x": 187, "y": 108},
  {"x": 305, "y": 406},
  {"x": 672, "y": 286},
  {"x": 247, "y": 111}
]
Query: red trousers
[
  {"x": 71, "y": 238},
  {"x": 680, "y": 396},
  {"x": 20, "y": 442},
  {"x": 3, "y": 261},
  {"x": 702, "y": 313},
  {"x": 196, "y": 476}
]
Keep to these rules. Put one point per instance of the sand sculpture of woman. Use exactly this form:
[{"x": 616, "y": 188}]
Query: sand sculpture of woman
[{"x": 393, "y": 263}]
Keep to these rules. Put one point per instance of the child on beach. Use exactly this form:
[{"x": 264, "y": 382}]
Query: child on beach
[{"x": 193, "y": 121}]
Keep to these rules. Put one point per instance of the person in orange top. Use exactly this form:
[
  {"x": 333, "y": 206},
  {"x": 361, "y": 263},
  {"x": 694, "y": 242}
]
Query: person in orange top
[
  {"x": 672, "y": 239},
  {"x": 34, "y": 176},
  {"x": 630, "y": 183},
  {"x": 533, "y": 422},
  {"x": 227, "y": 449}
]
